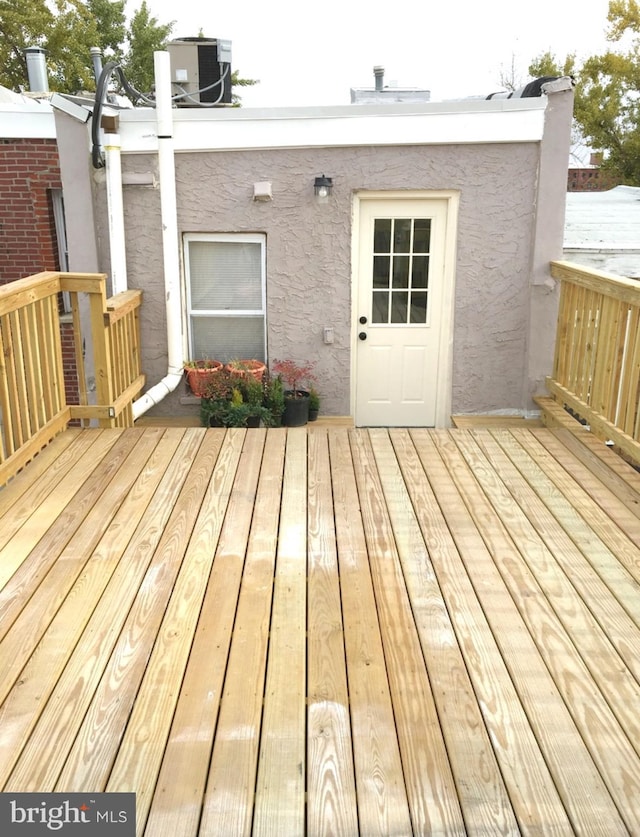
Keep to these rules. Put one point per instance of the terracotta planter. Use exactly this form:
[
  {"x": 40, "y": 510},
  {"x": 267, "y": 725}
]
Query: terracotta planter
[
  {"x": 198, "y": 376},
  {"x": 247, "y": 367}
]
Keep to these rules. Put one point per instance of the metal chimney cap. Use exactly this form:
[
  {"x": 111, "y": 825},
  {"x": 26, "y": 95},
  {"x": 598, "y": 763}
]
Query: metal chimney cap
[{"x": 36, "y": 69}]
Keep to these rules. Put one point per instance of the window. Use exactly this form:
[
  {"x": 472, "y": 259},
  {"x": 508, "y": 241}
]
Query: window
[
  {"x": 401, "y": 249},
  {"x": 225, "y": 295}
]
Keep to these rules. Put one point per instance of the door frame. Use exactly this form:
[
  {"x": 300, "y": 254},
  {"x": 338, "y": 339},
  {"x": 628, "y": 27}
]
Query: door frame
[{"x": 444, "y": 386}]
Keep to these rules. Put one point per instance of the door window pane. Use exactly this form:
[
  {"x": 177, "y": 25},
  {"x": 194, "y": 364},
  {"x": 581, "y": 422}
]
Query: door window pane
[
  {"x": 420, "y": 272},
  {"x": 399, "y": 304},
  {"x": 401, "y": 272},
  {"x": 382, "y": 235},
  {"x": 404, "y": 270},
  {"x": 380, "y": 307},
  {"x": 419, "y": 307},
  {"x": 381, "y": 265},
  {"x": 402, "y": 235},
  {"x": 421, "y": 235}
]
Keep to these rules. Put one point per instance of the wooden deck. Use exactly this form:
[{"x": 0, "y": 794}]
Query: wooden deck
[{"x": 326, "y": 631}]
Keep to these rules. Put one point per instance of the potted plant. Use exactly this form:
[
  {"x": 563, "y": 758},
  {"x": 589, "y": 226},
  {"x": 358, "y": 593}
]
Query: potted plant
[
  {"x": 296, "y": 399},
  {"x": 232, "y": 401},
  {"x": 252, "y": 393},
  {"x": 199, "y": 373},
  {"x": 314, "y": 403},
  {"x": 216, "y": 399},
  {"x": 274, "y": 399},
  {"x": 244, "y": 368}
]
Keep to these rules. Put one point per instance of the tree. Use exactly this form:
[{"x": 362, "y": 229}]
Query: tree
[
  {"x": 146, "y": 36},
  {"x": 112, "y": 26},
  {"x": 236, "y": 81},
  {"x": 47, "y": 25},
  {"x": 607, "y": 98},
  {"x": 67, "y": 29}
]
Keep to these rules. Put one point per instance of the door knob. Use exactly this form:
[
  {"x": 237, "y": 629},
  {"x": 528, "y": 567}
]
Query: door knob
[{"x": 363, "y": 335}]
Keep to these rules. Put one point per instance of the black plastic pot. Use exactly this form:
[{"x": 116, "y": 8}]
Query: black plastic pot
[{"x": 296, "y": 409}]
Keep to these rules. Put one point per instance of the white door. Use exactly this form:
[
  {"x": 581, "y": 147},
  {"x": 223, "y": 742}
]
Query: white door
[{"x": 399, "y": 311}]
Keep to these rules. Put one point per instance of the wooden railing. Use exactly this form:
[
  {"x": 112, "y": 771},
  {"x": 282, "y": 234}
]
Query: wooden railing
[
  {"x": 33, "y": 404},
  {"x": 596, "y": 370}
]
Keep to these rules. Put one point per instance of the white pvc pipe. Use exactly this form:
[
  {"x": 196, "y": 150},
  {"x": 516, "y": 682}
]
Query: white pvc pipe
[
  {"x": 115, "y": 208},
  {"x": 170, "y": 246}
]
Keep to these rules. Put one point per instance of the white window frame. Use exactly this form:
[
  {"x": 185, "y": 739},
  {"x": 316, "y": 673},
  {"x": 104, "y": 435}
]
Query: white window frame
[{"x": 227, "y": 238}]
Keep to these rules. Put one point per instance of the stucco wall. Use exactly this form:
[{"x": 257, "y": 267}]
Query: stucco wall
[{"x": 309, "y": 252}]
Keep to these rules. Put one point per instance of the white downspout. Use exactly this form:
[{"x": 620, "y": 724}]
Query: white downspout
[
  {"x": 171, "y": 256},
  {"x": 117, "y": 248}
]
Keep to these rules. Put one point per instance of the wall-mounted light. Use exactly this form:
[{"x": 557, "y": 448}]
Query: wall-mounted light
[{"x": 322, "y": 187}]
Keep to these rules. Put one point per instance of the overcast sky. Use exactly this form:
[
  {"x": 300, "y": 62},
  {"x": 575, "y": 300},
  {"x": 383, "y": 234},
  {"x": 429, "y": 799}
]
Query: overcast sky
[{"x": 313, "y": 53}]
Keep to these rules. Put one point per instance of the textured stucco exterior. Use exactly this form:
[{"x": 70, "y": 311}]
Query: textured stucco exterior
[{"x": 309, "y": 274}]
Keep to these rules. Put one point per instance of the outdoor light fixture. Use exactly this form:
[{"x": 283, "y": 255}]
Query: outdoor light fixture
[{"x": 322, "y": 187}]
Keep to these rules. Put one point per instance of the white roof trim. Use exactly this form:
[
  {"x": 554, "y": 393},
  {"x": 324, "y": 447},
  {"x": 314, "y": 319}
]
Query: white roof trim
[
  {"x": 28, "y": 120},
  {"x": 466, "y": 121}
]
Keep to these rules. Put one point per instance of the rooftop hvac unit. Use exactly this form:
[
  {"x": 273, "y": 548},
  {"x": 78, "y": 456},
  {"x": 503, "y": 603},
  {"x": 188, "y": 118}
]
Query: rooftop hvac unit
[{"x": 197, "y": 65}]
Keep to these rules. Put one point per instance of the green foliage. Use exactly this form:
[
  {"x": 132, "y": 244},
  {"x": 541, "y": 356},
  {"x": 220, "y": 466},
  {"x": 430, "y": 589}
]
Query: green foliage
[
  {"x": 314, "y": 398},
  {"x": 231, "y": 401},
  {"x": 274, "y": 398},
  {"x": 236, "y": 81},
  {"x": 60, "y": 27},
  {"x": 67, "y": 29},
  {"x": 112, "y": 26},
  {"x": 607, "y": 106},
  {"x": 146, "y": 36}
]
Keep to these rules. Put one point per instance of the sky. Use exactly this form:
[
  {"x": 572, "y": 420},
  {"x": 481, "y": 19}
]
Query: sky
[{"x": 312, "y": 54}]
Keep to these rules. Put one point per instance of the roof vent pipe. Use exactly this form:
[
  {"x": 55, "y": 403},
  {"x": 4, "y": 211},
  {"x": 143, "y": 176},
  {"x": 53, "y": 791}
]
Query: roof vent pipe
[
  {"x": 96, "y": 57},
  {"x": 378, "y": 72},
  {"x": 37, "y": 70}
]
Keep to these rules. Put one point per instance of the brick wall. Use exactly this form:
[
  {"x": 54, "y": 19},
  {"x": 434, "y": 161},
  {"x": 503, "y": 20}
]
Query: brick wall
[
  {"x": 29, "y": 168},
  {"x": 591, "y": 180}
]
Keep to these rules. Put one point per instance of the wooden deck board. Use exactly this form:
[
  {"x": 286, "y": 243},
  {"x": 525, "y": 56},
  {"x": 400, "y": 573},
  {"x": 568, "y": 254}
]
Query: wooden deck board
[{"x": 326, "y": 630}]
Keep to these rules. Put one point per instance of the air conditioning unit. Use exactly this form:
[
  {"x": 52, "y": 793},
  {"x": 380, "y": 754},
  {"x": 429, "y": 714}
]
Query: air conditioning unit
[{"x": 200, "y": 68}]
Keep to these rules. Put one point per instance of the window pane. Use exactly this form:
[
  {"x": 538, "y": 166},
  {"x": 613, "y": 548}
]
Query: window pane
[
  {"x": 381, "y": 271},
  {"x": 380, "y": 307},
  {"x": 419, "y": 307},
  {"x": 382, "y": 235},
  {"x": 225, "y": 276},
  {"x": 421, "y": 235},
  {"x": 226, "y": 338},
  {"x": 401, "y": 271},
  {"x": 399, "y": 305},
  {"x": 420, "y": 272},
  {"x": 402, "y": 235}
]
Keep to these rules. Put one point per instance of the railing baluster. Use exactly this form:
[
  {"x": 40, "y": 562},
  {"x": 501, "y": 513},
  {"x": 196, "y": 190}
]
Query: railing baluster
[
  {"x": 597, "y": 360},
  {"x": 33, "y": 402}
]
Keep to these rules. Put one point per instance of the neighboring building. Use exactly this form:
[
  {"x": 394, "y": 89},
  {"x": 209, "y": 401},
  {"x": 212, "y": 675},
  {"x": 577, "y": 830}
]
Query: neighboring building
[
  {"x": 382, "y": 94},
  {"x": 420, "y": 286},
  {"x": 30, "y": 188},
  {"x": 602, "y": 230},
  {"x": 590, "y": 177},
  {"x": 32, "y": 229}
]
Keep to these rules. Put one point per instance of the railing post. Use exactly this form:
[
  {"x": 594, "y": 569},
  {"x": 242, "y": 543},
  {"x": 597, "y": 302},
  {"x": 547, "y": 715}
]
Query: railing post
[{"x": 102, "y": 352}]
